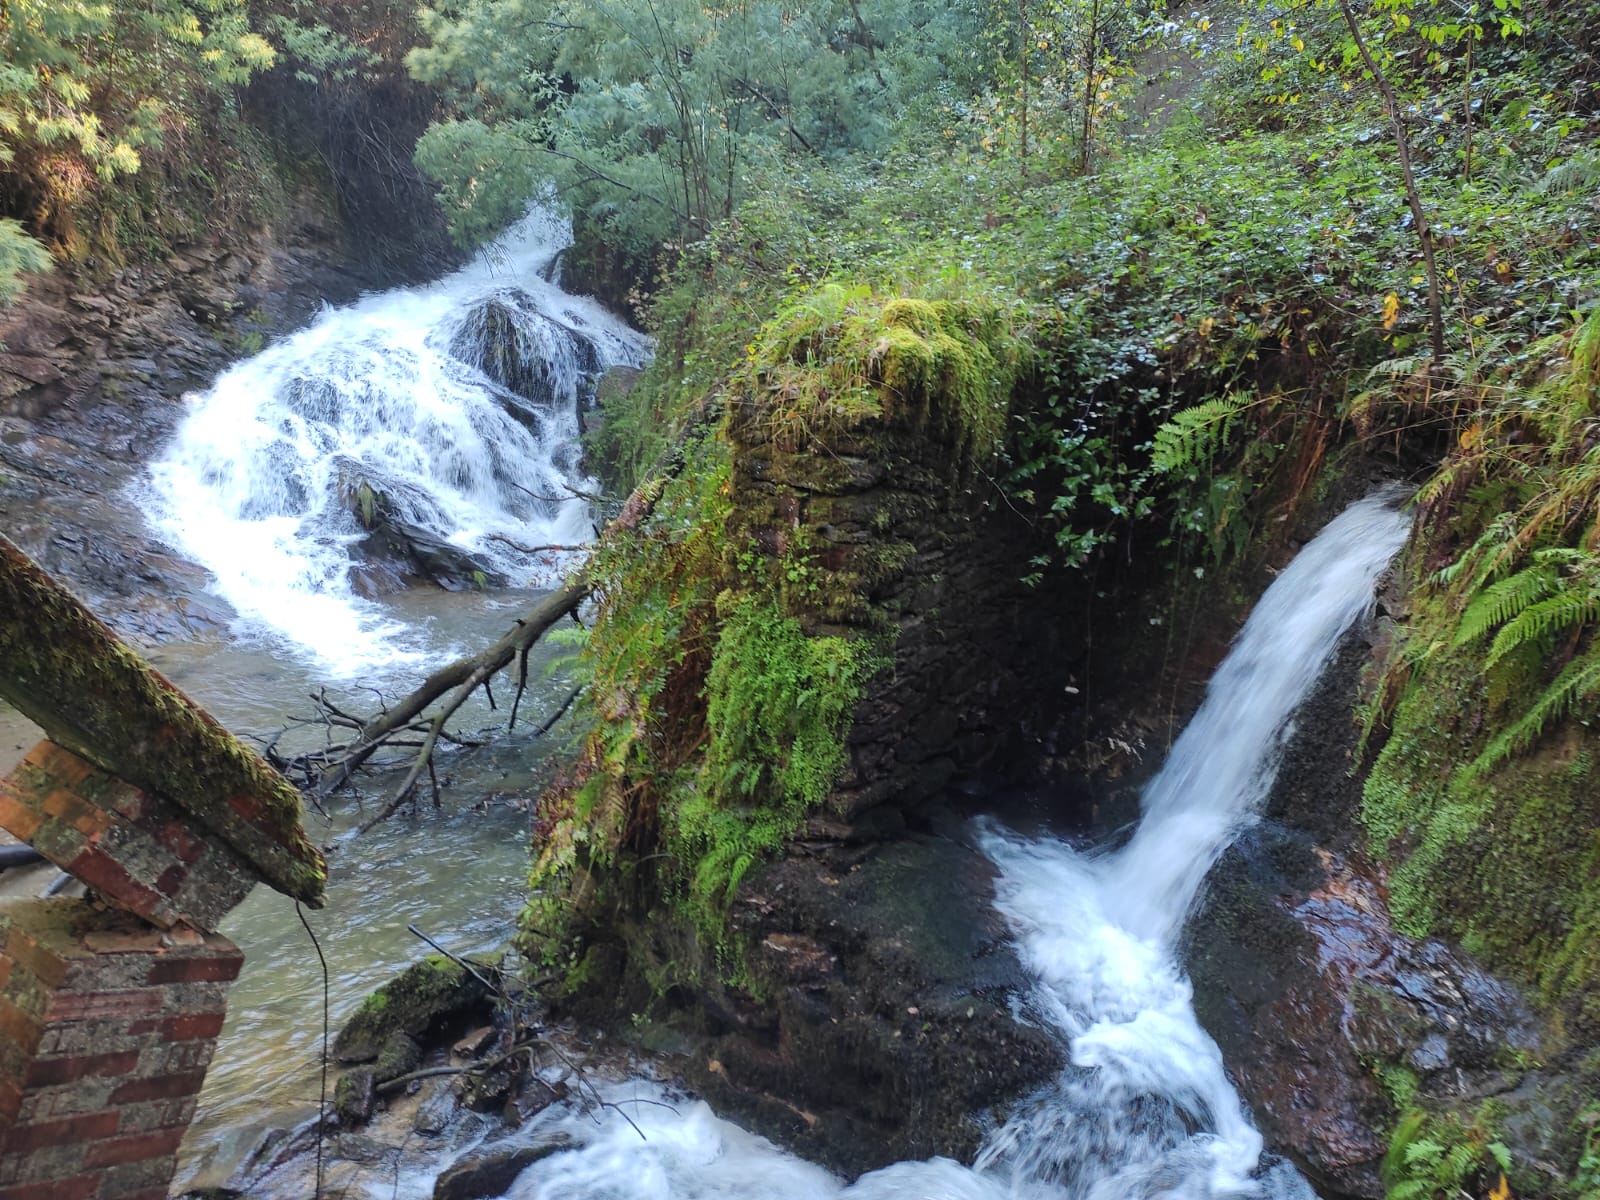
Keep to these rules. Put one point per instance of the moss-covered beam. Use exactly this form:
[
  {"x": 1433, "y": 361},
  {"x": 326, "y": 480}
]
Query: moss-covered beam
[{"x": 68, "y": 673}]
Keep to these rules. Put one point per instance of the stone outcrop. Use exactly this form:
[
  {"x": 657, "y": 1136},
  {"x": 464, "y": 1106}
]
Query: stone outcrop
[{"x": 1330, "y": 1019}]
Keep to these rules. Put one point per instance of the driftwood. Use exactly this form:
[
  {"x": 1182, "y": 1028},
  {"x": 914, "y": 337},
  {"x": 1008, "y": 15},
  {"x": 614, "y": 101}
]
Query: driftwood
[{"x": 410, "y": 725}]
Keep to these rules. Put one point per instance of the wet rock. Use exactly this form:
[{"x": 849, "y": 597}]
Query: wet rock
[
  {"x": 492, "y": 1169},
  {"x": 523, "y": 351},
  {"x": 436, "y": 1109},
  {"x": 400, "y": 552},
  {"x": 355, "y": 1095},
  {"x": 476, "y": 1043},
  {"x": 491, "y": 1089},
  {"x": 421, "y": 1000},
  {"x": 1323, "y": 1011},
  {"x": 399, "y": 1055},
  {"x": 887, "y": 1028}
]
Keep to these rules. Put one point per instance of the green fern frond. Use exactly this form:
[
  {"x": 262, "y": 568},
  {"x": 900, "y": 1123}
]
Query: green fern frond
[
  {"x": 1397, "y": 368},
  {"x": 1194, "y": 433},
  {"x": 1501, "y": 601},
  {"x": 1555, "y": 614},
  {"x": 1579, "y": 681},
  {"x": 1484, "y": 553},
  {"x": 1580, "y": 173},
  {"x": 1423, "y": 1151}
]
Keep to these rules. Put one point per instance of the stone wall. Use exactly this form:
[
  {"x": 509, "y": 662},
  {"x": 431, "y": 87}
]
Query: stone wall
[{"x": 918, "y": 546}]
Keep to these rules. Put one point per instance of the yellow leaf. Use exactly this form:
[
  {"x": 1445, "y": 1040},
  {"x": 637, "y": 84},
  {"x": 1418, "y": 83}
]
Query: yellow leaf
[
  {"x": 1391, "y": 310},
  {"x": 1501, "y": 1191},
  {"x": 1471, "y": 436}
]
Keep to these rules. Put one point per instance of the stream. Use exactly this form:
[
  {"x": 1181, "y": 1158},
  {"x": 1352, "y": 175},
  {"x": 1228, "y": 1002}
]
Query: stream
[
  {"x": 1144, "y": 1109},
  {"x": 460, "y": 404}
]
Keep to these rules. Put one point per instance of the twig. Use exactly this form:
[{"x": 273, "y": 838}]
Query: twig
[
  {"x": 521, "y": 549},
  {"x": 322, "y": 1098},
  {"x": 560, "y": 712}
]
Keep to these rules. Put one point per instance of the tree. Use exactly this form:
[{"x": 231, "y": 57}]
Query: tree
[
  {"x": 1063, "y": 58},
  {"x": 651, "y": 116},
  {"x": 1409, "y": 51},
  {"x": 88, "y": 86}
]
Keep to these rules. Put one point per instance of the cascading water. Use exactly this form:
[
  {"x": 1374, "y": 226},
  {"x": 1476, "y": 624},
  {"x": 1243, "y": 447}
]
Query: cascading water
[
  {"x": 454, "y": 407},
  {"x": 1144, "y": 1108}
]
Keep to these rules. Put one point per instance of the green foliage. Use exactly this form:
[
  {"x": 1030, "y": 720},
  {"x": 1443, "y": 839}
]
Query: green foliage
[
  {"x": 1430, "y": 1156},
  {"x": 1481, "y": 797},
  {"x": 778, "y": 704},
  {"x": 717, "y": 722},
  {"x": 89, "y": 90},
  {"x": 1587, "y": 1179},
  {"x": 835, "y": 357},
  {"x": 1192, "y": 436},
  {"x": 651, "y": 115},
  {"x": 19, "y": 255}
]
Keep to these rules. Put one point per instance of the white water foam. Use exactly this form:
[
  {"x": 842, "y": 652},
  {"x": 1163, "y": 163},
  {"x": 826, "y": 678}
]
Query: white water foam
[
  {"x": 458, "y": 402},
  {"x": 1145, "y": 1108}
]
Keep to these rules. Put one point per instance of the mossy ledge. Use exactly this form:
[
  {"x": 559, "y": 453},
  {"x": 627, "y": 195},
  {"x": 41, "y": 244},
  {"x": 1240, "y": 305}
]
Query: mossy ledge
[{"x": 813, "y": 632}]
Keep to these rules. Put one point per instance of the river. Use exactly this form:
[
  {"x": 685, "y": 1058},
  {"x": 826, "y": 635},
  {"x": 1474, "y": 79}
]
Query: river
[{"x": 414, "y": 395}]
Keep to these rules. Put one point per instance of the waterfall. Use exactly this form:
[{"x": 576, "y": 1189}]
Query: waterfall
[
  {"x": 448, "y": 414},
  {"x": 1144, "y": 1108}
]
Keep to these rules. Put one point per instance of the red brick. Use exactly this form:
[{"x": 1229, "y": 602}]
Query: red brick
[
  {"x": 162, "y": 1087},
  {"x": 170, "y": 880},
  {"x": 28, "y": 954},
  {"x": 47, "y": 1072},
  {"x": 63, "y": 803},
  {"x": 160, "y": 1144},
  {"x": 192, "y": 1026},
  {"x": 19, "y": 1026},
  {"x": 82, "y": 1187},
  {"x": 24, "y": 1138},
  {"x": 59, "y": 763},
  {"x": 217, "y": 967},
  {"x": 106, "y": 875},
  {"x": 86, "y": 1006},
  {"x": 16, "y": 816},
  {"x": 175, "y": 836}
]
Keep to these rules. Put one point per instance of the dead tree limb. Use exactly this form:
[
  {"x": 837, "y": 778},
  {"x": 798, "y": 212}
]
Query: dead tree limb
[{"x": 459, "y": 679}]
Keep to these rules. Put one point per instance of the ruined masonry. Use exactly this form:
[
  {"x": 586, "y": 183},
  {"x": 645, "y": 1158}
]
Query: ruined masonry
[{"x": 110, "y": 1008}]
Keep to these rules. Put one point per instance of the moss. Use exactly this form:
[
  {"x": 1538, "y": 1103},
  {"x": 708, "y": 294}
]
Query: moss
[
  {"x": 837, "y": 358},
  {"x": 89, "y": 692},
  {"x": 1509, "y": 862},
  {"x": 422, "y": 997}
]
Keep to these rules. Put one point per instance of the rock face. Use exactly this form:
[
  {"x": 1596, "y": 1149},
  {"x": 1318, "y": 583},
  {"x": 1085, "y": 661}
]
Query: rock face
[
  {"x": 889, "y": 1028},
  {"x": 91, "y": 374},
  {"x": 1329, "y": 1019}
]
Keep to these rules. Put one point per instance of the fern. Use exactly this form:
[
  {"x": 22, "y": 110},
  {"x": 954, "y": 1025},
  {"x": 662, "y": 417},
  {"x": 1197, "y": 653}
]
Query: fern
[
  {"x": 1579, "y": 681},
  {"x": 1501, "y": 601},
  {"x": 1563, "y": 611},
  {"x": 1195, "y": 433},
  {"x": 1580, "y": 173}
]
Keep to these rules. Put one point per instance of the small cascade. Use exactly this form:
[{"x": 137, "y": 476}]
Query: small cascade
[
  {"x": 1144, "y": 1109},
  {"x": 439, "y": 423}
]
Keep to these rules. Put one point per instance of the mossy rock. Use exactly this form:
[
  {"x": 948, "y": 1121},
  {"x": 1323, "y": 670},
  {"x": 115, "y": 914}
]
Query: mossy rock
[{"x": 422, "y": 998}]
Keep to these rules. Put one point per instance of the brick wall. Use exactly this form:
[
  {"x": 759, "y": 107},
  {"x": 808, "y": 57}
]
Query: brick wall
[
  {"x": 136, "y": 849},
  {"x": 107, "y": 1027}
]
